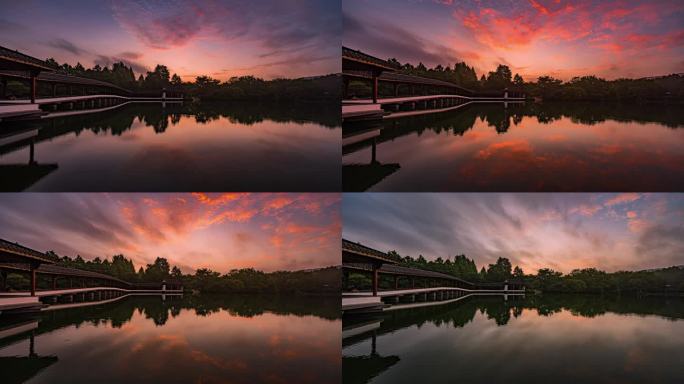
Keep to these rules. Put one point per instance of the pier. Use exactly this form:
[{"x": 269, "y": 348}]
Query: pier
[
  {"x": 410, "y": 287},
  {"x": 67, "y": 287},
  {"x": 60, "y": 91},
  {"x": 411, "y": 94}
]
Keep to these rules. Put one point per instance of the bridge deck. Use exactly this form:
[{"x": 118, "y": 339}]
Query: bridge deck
[
  {"x": 67, "y": 99},
  {"x": 7, "y": 303},
  {"x": 402, "y": 292},
  {"x": 406, "y": 99},
  {"x": 71, "y": 291}
]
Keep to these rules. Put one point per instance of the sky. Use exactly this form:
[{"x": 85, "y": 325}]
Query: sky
[
  {"x": 219, "y": 38},
  {"x": 265, "y": 231},
  {"x": 561, "y": 231},
  {"x": 563, "y": 39}
]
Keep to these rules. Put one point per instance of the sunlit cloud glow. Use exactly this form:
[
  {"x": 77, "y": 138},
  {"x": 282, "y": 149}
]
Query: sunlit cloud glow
[
  {"x": 612, "y": 39},
  {"x": 218, "y": 231},
  {"x": 219, "y": 38},
  {"x": 560, "y": 231}
]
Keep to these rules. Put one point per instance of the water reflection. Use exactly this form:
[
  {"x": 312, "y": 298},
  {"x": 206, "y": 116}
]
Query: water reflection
[
  {"x": 147, "y": 147},
  {"x": 550, "y": 338},
  {"x": 522, "y": 147},
  {"x": 211, "y": 339}
]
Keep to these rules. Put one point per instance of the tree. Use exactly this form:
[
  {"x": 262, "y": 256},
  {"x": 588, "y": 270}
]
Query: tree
[
  {"x": 157, "y": 271},
  {"x": 518, "y": 272},
  {"x": 206, "y": 81},
  {"x": 518, "y": 80},
  {"x": 176, "y": 80},
  {"x": 499, "y": 271},
  {"x": 499, "y": 79},
  {"x": 176, "y": 272}
]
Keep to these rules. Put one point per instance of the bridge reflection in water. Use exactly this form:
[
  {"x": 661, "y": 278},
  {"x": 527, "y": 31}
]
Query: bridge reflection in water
[
  {"x": 393, "y": 286},
  {"x": 490, "y": 339},
  {"x": 522, "y": 147},
  {"x": 212, "y": 338}
]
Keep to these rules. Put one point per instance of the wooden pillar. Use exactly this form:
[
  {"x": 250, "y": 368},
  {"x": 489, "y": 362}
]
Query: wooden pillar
[
  {"x": 32, "y": 344},
  {"x": 396, "y": 282},
  {"x": 32, "y": 152},
  {"x": 34, "y": 85},
  {"x": 396, "y": 89},
  {"x": 3, "y": 284},
  {"x": 32, "y": 268},
  {"x": 4, "y": 88},
  {"x": 375, "y": 88},
  {"x": 375, "y": 279},
  {"x": 54, "y": 90},
  {"x": 345, "y": 88},
  {"x": 54, "y": 282}
]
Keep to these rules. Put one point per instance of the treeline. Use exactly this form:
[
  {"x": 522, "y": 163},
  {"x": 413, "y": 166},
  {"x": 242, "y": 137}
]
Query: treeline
[
  {"x": 324, "y": 281},
  {"x": 462, "y": 267},
  {"x": 591, "y": 280},
  {"x": 320, "y": 281},
  {"x": 206, "y": 87},
  {"x": 547, "y": 87},
  {"x": 122, "y": 268},
  {"x": 587, "y": 280}
]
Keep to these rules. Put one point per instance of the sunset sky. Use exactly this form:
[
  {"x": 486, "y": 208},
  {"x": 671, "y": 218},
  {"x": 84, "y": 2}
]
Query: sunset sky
[
  {"x": 560, "y": 231},
  {"x": 218, "y": 231},
  {"x": 219, "y": 38},
  {"x": 611, "y": 38}
]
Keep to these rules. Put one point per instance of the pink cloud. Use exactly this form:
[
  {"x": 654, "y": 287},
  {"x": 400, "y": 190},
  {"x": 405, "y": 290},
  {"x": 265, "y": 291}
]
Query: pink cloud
[{"x": 623, "y": 198}]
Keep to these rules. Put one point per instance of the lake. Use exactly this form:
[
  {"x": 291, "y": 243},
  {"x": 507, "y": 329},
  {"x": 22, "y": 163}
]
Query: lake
[
  {"x": 532, "y": 339},
  {"x": 578, "y": 147},
  {"x": 190, "y": 147},
  {"x": 193, "y": 339}
]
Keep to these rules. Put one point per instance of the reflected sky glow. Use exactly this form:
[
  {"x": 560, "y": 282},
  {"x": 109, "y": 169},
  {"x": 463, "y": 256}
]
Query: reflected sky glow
[
  {"x": 218, "y": 348},
  {"x": 603, "y": 348}
]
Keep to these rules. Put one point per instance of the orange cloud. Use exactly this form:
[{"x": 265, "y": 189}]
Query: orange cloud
[{"x": 623, "y": 198}]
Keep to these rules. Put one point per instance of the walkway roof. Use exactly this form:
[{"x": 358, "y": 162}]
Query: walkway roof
[
  {"x": 405, "y": 271},
  {"x": 357, "y": 60},
  {"x": 13, "y": 252},
  {"x": 62, "y": 78},
  {"x": 358, "y": 252},
  {"x": 14, "y": 60},
  {"x": 51, "y": 269},
  {"x": 402, "y": 78}
]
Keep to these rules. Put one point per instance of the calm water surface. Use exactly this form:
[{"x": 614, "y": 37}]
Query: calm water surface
[
  {"x": 147, "y": 147},
  {"x": 550, "y": 339},
  {"x": 524, "y": 147},
  {"x": 190, "y": 340}
]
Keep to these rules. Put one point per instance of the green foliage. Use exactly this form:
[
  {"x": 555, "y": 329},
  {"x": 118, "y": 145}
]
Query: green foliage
[
  {"x": 249, "y": 280},
  {"x": 499, "y": 271},
  {"x": 499, "y": 79},
  {"x": 591, "y": 280},
  {"x": 204, "y": 87},
  {"x": 589, "y": 88},
  {"x": 461, "y": 74},
  {"x": 460, "y": 266}
]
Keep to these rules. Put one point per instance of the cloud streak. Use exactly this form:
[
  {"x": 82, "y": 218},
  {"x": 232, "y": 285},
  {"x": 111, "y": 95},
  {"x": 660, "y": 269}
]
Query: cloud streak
[
  {"x": 614, "y": 38},
  {"x": 191, "y": 37},
  {"x": 560, "y": 231},
  {"x": 218, "y": 231}
]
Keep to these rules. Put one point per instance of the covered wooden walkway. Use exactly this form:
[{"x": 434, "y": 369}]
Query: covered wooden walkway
[
  {"x": 408, "y": 285},
  {"x": 81, "y": 285},
  {"x": 59, "y": 88}
]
